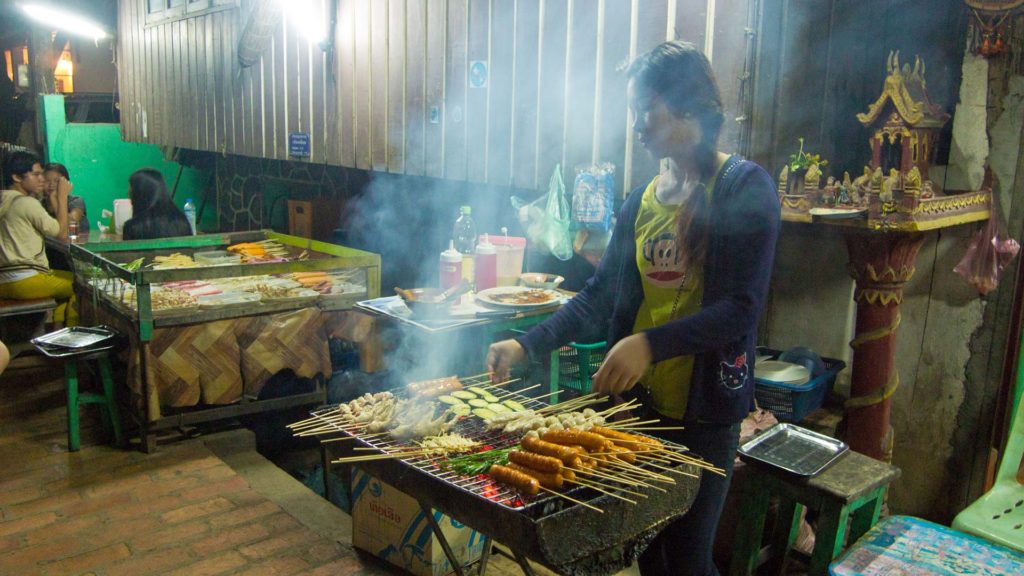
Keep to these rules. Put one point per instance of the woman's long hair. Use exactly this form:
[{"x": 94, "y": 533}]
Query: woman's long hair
[
  {"x": 154, "y": 214},
  {"x": 681, "y": 76},
  {"x": 148, "y": 193}
]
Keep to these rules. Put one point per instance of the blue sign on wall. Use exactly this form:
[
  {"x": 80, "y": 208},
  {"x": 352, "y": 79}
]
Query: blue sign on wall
[{"x": 298, "y": 144}]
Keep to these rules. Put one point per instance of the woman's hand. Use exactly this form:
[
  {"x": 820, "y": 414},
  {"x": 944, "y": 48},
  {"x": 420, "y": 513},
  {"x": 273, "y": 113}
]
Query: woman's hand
[
  {"x": 623, "y": 366},
  {"x": 502, "y": 356}
]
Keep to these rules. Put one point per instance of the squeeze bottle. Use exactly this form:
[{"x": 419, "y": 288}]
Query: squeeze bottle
[
  {"x": 485, "y": 265},
  {"x": 450, "y": 270}
]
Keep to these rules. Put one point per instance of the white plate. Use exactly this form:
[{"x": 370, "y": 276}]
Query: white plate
[
  {"x": 784, "y": 372},
  {"x": 509, "y": 296},
  {"x": 837, "y": 213}
]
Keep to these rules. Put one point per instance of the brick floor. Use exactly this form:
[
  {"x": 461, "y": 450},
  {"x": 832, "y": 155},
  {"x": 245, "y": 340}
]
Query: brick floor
[
  {"x": 110, "y": 512},
  {"x": 104, "y": 511}
]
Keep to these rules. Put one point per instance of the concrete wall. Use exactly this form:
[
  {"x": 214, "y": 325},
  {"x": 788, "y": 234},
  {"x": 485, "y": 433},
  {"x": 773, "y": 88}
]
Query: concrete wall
[
  {"x": 950, "y": 344},
  {"x": 100, "y": 163}
]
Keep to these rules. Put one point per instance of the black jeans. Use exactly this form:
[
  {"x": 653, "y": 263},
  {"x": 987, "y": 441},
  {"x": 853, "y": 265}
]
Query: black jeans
[{"x": 684, "y": 546}]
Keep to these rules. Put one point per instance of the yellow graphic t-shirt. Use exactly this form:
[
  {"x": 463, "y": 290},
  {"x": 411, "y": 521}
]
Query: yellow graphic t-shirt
[{"x": 669, "y": 293}]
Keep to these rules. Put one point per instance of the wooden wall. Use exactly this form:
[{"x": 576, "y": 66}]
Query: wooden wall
[{"x": 554, "y": 93}]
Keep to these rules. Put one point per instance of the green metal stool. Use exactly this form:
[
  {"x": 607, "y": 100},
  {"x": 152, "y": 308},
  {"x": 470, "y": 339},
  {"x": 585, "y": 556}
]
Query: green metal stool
[
  {"x": 851, "y": 490},
  {"x": 106, "y": 400}
]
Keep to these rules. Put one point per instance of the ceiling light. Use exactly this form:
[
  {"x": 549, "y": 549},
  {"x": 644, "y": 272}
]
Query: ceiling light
[{"x": 66, "y": 21}]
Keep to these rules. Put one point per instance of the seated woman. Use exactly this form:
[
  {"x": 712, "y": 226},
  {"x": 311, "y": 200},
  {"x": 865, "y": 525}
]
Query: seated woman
[
  {"x": 76, "y": 205},
  {"x": 25, "y": 272},
  {"x": 154, "y": 214}
]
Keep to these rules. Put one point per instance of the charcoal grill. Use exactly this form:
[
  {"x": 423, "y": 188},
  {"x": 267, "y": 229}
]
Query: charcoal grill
[{"x": 566, "y": 537}]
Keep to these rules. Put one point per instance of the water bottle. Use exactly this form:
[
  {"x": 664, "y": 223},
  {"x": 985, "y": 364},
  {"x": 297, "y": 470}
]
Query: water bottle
[
  {"x": 464, "y": 235},
  {"x": 190, "y": 214},
  {"x": 486, "y": 265}
]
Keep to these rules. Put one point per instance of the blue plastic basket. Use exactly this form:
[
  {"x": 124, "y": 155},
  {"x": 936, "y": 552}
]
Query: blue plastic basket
[{"x": 791, "y": 403}]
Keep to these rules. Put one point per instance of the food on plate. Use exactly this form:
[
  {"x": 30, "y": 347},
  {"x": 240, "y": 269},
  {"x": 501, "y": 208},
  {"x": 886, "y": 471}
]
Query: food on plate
[
  {"x": 524, "y": 483},
  {"x": 523, "y": 297}
]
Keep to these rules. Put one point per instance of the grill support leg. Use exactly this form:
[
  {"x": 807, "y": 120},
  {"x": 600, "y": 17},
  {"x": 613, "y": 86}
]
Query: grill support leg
[
  {"x": 485, "y": 555},
  {"x": 523, "y": 563},
  {"x": 456, "y": 565}
]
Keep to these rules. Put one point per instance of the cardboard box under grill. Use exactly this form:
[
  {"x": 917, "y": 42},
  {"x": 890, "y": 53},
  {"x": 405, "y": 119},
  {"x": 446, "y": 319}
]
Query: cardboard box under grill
[{"x": 391, "y": 525}]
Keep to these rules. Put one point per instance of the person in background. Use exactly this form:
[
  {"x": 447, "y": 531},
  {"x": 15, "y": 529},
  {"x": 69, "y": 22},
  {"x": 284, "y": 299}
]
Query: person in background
[
  {"x": 25, "y": 272},
  {"x": 76, "y": 205},
  {"x": 154, "y": 214},
  {"x": 679, "y": 290}
]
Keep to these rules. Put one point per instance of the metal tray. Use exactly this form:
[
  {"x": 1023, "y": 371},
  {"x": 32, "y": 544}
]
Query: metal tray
[
  {"x": 75, "y": 337},
  {"x": 794, "y": 449}
]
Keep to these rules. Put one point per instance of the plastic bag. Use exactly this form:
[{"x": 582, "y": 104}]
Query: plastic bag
[
  {"x": 987, "y": 255},
  {"x": 593, "y": 197},
  {"x": 547, "y": 220}
]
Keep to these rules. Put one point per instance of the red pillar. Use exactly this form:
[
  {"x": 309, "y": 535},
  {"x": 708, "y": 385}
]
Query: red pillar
[{"x": 880, "y": 263}]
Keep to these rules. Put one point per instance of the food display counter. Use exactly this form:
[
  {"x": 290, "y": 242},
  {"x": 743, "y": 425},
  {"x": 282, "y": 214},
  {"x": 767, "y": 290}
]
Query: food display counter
[{"x": 210, "y": 319}]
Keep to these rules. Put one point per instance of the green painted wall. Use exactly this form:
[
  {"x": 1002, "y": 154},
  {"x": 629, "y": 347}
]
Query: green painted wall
[{"x": 100, "y": 163}]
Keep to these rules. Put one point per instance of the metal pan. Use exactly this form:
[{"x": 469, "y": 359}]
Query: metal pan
[
  {"x": 794, "y": 449},
  {"x": 76, "y": 337}
]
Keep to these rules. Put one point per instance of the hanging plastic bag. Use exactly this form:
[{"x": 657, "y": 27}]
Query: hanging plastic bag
[
  {"x": 557, "y": 219},
  {"x": 593, "y": 197},
  {"x": 987, "y": 255}
]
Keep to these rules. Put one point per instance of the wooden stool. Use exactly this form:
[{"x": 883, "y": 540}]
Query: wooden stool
[
  {"x": 106, "y": 400},
  {"x": 851, "y": 489}
]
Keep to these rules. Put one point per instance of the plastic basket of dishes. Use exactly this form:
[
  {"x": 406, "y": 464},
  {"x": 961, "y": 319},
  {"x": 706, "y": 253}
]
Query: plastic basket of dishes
[{"x": 793, "y": 383}]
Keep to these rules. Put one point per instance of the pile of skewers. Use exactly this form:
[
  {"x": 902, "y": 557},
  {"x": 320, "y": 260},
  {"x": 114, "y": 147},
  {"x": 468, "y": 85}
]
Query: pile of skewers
[{"x": 543, "y": 450}]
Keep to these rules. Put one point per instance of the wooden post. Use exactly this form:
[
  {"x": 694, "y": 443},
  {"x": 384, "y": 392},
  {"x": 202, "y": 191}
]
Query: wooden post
[{"x": 880, "y": 263}]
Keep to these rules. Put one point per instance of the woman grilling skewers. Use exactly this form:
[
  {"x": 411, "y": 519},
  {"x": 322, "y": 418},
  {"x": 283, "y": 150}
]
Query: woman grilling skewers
[{"x": 680, "y": 288}]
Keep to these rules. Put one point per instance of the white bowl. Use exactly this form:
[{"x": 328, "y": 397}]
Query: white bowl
[{"x": 540, "y": 280}]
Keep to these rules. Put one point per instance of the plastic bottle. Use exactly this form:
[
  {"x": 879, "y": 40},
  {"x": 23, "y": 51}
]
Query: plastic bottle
[
  {"x": 190, "y": 214},
  {"x": 485, "y": 265},
  {"x": 450, "y": 269},
  {"x": 464, "y": 234}
]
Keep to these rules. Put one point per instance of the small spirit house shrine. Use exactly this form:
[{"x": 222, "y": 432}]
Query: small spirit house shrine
[{"x": 894, "y": 191}]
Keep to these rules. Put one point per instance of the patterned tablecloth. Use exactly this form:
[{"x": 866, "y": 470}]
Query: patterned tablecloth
[{"x": 906, "y": 546}]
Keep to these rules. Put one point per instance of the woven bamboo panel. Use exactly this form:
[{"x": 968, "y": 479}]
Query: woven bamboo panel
[
  {"x": 292, "y": 340},
  {"x": 198, "y": 362}
]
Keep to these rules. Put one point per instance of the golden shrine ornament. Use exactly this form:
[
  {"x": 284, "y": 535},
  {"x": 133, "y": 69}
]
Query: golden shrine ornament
[{"x": 991, "y": 26}]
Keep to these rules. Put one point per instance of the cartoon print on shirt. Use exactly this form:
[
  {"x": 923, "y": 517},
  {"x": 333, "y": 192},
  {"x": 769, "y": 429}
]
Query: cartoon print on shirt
[
  {"x": 665, "y": 269},
  {"x": 733, "y": 375}
]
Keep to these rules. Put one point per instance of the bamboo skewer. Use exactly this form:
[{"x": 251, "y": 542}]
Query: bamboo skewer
[
  {"x": 571, "y": 499},
  {"x": 601, "y": 490}
]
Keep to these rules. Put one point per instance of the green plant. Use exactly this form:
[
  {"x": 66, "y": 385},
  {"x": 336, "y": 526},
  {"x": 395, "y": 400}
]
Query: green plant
[{"x": 801, "y": 161}]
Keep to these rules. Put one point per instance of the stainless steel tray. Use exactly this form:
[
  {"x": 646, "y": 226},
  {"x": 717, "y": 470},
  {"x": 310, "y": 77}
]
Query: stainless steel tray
[
  {"x": 794, "y": 449},
  {"x": 75, "y": 337}
]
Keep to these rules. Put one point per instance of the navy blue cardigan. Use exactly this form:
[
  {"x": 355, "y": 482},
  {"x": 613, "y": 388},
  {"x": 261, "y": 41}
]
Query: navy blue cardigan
[{"x": 745, "y": 218}]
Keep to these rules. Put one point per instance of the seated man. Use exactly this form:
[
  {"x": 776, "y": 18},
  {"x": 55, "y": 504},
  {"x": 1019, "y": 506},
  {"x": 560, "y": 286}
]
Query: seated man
[{"x": 24, "y": 270}]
